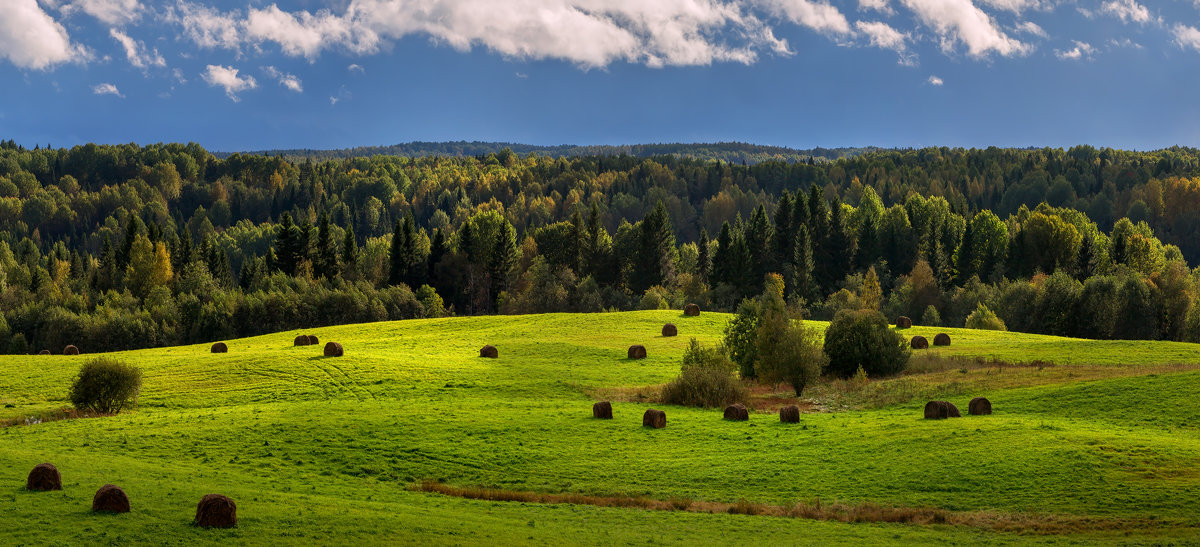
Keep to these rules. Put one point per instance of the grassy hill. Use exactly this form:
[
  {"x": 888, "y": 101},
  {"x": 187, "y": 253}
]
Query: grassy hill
[{"x": 1089, "y": 441}]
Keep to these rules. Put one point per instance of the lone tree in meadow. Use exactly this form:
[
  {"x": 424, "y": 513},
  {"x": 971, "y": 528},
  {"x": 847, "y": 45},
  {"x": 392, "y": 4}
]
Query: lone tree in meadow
[
  {"x": 787, "y": 351},
  {"x": 106, "y": 385},
  {"x": 863, "y": 338}
]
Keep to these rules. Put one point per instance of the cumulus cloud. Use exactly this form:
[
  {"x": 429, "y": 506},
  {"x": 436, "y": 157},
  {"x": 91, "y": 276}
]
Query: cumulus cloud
[
  {"x": 1127, "y": 11},
  {"x": 1187, "y": 37},
  {"x": 1082, "y": 50},
  {"x": 354, "y": 67},
  {"x": 882, "y": 35},
  {"x": 107, "y": 89},
  {"x": 1015, "y": 6},
  {"x": 589, "y": 33},
  {"x": 138, "y": 54},
  {"x": 959, "y": 21},
  {"x": 286, "y": 80},
  {"x": 112, "y": 12},
  {"x": 1031, "y": 28},
  {"x": 935, "y": 81},
  {"x": 227, "y": 77},
  {"x": 30, "y": 38},
  {"x": 877, "y": 5}
]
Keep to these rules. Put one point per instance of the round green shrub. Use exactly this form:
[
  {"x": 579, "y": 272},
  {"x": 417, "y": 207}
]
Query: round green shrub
[
  {"x": 106, "y": 385},
  {"x": 863, "y": 338}
]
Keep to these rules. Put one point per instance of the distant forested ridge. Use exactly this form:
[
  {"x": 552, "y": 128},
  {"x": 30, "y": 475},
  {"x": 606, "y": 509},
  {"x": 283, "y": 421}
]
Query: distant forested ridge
[
  {"x": 114, "y": 247},
  {"x": 735, "y": 152}
]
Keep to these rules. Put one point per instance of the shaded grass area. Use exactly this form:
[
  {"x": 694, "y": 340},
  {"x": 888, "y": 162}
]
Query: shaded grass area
[{"x": 295, "y": 437}]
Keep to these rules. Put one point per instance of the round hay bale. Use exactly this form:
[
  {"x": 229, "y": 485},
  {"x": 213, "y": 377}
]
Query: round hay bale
[
  {"x": 919, "y": 342},
  {"x": 110, "y": 499},
  {"x": 333, "y": 349},
  {"x": 691, "y": 309},
  {"x": 789, "y": 414},
  {"x": 979, "y": 406},
  {"x": 71, "y": 350},
  {"x": 312, "y": 340},
  {"x": 216, "y": 511},
  {"x": 637, "y": 352},
  {"x": 602, "y": 410},
  {"x": 903, "y": 322},
  {"x": 654, "y": 418},
  {"x": 737, "y": 412},
  {"x": 670, "y": 330},
  {"x": 938, "y": 410},
  {"x": 44, "y": 477},
  {"x": 45, "y": 352},
  {"x": 942, "y": 339},
  {"x": 220, "y": 347},
  {"x": 301, "y": 340},
  {"x": 489, "y": 351}
]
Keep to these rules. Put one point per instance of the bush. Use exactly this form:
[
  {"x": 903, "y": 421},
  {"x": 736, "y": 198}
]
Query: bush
[
  {"x": 741, "y": 337},
  {"x": 706, "y": 380},
  {"x": 106, "y": 385},
  {"x": 931, "y": 317},
  {"x": 984, "y": 319},
  {"x": 863, "y": 338},
  {"x": 787, "y": 350}
]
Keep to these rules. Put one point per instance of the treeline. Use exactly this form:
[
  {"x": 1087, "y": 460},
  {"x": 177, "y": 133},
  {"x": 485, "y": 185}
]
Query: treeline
[
  {"x": 735, "y": 152},
  {"x": 112, "y": 247}
]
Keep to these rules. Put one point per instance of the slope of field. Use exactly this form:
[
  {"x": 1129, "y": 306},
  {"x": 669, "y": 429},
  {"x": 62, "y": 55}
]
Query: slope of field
[{"x": 323, "y": 449}]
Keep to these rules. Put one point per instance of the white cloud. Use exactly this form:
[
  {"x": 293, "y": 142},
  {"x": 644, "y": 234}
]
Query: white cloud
[
  {"x": 227, "y": 77},
  {"x": 1187, "y": 36},
  {"x": 960, "y": 21},
  {"x": 1031, "y": 28},
  {"x": 1082, "y": 50},
  {"x": 30, "y": 38},
  {"x": 589, "y": 33},
  {"x": 935, "y": 81},
  {"x": 136, "y": 51},
  {"x": 1015, "y": 6},
  {"x": 1124, "y": 42},
  {"x": 1127, "y": 10},
  {"x": 882, "y": 35},
  {"x": 286, "y": 80},
  {"x": 818, "y": 16},
  {"x": 107, "y": 89},
  {"x": 112, "y": 12},
  {"x": 877, "y": 5},
  {"x": 356, "y": 68}
]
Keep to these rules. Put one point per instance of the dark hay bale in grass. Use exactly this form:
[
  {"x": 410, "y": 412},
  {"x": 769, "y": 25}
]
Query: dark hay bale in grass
[
  {"x": 919, "y": 342},
  {"x": 654, "y": 418},
  {"x": 937, "y": 410},
  {"x": 979, "y": 406},
  {"x": 737, "y": 412},
  {"x": 110, "y": 499},
  {"x": 71, "y": 350},
  {"x": 216, "y": 511},
  {"x": 312, "y": 340},
  {"x": 44, "y": 477},
  {"x": 602, "y": 410},
  {"x": 220, "y": 347},
  {"x": 301, "y": 340},
  {"x": 789, "y": 414},
  {"x": 942, "y": 339},
  {"x": 45, "y": 352},
  {"x": 637, "y": 352},
  {"x": 670, "y": 330},
  {"x": 489, "y": 351},
  {"x": 903, "y": 322},
  {"x": 691, "y": 309},
  {"x": 333, "y": 349}
]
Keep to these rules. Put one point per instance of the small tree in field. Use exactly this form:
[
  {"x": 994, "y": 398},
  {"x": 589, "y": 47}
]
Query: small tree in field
[
  {"x": 106, "y": 385},
  {"x": 863, "y": 338},
  {"x": 787, "y": 351}
]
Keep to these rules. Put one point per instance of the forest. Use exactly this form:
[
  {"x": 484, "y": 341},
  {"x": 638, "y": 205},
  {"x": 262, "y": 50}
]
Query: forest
[{"x": 112, "y": 247}]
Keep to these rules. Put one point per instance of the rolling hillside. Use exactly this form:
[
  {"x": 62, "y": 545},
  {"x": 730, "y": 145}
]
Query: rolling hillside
[{"x": 1091, "y": 440}]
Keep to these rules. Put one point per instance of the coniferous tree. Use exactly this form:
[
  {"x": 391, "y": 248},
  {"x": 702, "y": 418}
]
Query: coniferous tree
[
  {"x": 802, "y": 283},
  {"x": 784, "y": 240},
  {"x": 758, "y": 242},
  {"x": 437, "y": 250},
  {"x": 703, "y": 263},
  {"x": 722, "y": 271},
  {"x": 656, "y": 249},
  {"x": 867, "y": 252},
  {"x": 818, "y": 237},
  {"x": 964, "y": 258},
  {"x": 841, "y": 245},
  {"x": 349, "y": 249},
  {"x": 287, "y": 245},
  {"x": 326, "y": 263},
  {"x": 398, "y": 255},
  {"x": 504, "y": 258}
]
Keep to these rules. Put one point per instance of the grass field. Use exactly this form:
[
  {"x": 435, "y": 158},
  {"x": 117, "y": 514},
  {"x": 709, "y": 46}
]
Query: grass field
[{"x": 1102, "y": 439}]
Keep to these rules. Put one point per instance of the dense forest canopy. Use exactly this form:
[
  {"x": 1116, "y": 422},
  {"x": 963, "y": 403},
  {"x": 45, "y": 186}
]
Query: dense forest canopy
[{"x": 112, "y": 247}]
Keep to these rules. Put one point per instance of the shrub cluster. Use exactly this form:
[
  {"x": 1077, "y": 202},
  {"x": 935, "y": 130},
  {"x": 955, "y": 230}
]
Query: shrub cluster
[
  {"x": 706, "y": 379},
  {"x": 106, "y": 385}
]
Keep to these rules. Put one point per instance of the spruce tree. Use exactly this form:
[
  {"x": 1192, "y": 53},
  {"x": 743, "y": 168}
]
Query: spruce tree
[
  {"x": 841, "y": 244},
  {"x": 784, "y": 241},
  {"x": 703, "y": 264},
  {"x": 656, "y": 248},
  {"x": 398, "y": 255}
]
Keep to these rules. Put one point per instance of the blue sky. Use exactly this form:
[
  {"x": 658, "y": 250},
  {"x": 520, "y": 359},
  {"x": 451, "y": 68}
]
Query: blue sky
[{"x": 801, "y": 73}]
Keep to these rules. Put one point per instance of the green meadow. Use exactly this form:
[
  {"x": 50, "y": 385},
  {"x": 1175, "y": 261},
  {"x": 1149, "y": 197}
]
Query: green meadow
[{"x": 1101, "y": 435}]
